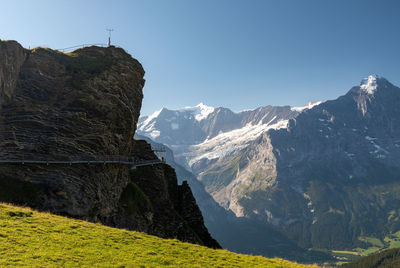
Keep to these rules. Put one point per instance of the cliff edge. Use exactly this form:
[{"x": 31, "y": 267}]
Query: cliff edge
[{"x": 82, "y": 105}]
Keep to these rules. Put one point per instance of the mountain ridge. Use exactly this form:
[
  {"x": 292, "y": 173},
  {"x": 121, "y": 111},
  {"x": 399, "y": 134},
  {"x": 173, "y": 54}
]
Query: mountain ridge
[{"x": 317, "y": 170}]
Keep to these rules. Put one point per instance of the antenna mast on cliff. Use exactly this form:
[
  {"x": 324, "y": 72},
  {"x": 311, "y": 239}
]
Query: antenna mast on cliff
[{"x": 109, "y": 36}]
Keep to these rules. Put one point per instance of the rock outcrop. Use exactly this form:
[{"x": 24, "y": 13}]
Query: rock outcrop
[
  {"x": 82, "y": 105},
  {"x": 59, "y": 106}
]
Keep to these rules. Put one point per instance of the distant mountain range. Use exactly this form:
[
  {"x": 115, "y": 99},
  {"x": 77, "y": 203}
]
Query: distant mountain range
[{"x": 325, "y": 175}]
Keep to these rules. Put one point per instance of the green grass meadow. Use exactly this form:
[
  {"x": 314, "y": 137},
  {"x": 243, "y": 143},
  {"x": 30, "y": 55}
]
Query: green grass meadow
[{"x": 35, "y": 239}]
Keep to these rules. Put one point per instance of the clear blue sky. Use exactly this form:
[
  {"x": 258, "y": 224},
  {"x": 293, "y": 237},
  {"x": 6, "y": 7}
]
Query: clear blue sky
[{"x": 236, "y": 54}]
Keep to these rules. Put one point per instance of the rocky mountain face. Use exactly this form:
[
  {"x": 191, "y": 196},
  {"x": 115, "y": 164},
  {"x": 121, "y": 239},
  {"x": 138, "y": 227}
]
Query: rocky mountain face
[
  {"x": 241, "y": 235},
  {"x": 325, "y": 176},
  {"x": 203, "y": 133},
  {"x": 85, "y": 105},
  {"x": 337, "y": 169},
  {"x": 208, "y": 141}
]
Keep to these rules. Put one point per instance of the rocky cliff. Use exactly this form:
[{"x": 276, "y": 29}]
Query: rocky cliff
[
  {"x": 154, "y": 203},
  {"x": 84, "y": 105}
]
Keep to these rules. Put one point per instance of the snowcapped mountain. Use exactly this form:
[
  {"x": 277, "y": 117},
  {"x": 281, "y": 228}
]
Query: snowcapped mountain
[
  {"x": 203, "y": 133},
  {"x": 331, "y": 176},
  {"x": 176, "y": 120},
  {"x": 324, "y": 174},
  {"x": 308, "y": 106},
  {"x": 172, "y": 127}
]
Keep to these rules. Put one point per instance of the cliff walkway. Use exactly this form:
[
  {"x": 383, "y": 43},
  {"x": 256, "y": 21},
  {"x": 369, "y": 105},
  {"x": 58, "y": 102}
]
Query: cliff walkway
[
  {"x": 85, "y": 160},
  {"x": 51, "y": 139},
  {"x": 51, "y": 159}
]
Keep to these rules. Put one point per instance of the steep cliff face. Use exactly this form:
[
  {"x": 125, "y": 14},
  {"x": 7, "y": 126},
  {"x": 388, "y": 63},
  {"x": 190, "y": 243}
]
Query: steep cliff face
[
  {"x": 154, "y": 203},
  {"x": 12, "y": 56},
  {"x": 59, "y": 106},
  {"x": 82, "y": 105}
]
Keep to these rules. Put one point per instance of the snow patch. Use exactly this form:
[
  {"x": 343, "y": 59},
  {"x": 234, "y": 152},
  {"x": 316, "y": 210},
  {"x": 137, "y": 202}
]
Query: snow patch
[
  {"x": 379, "y": 151},
  {"x": 200, "y": 111},
  {"x": 309, "y": 105},
  {"x": 369, "y": 84},
  {"x": 369, "y": 138},
  {"x": 232, "y": 141},
  {"x": 154, "y": 134},
  {"x": 145, "y": 125},
  {"x": 310, "y": 205}
]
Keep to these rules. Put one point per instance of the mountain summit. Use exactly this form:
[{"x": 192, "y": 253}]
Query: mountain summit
[
  {"x": 369, "y": 84},
  {"x": 374, "y": 92},
  {"x": 200, "y": 111}
]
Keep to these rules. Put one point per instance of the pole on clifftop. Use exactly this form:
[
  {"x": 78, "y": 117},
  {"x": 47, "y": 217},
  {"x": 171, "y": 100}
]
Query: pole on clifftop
[{"x": 109, "y": 36}]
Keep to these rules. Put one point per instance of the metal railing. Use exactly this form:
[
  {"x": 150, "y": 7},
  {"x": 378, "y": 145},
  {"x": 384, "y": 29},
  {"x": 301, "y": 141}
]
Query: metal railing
[
  {"x": 76, "y": 159},
  {"x": 69, "y": 49},
  {"x": 158, "y": 149},
  {"x": 15, "y": 148}
]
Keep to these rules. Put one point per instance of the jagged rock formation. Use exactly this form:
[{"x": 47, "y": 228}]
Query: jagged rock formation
[{"x": 84, "y": 104}]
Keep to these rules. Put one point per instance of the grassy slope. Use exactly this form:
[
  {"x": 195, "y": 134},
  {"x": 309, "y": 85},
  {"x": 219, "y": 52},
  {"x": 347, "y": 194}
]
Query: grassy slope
[
  {"x": 374, "y": 245},
  {"x": 41, "y": 239},
  {"x": 386, "y": 259}
]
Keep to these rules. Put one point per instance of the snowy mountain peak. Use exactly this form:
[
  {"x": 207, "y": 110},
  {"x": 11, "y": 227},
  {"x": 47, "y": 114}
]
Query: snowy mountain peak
[
  {"x": 145, "y": 125},
  {"x": 200, "y": 111},
  {"x": 369, "y": 84},
  {"x": 309, "y": 105}
]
